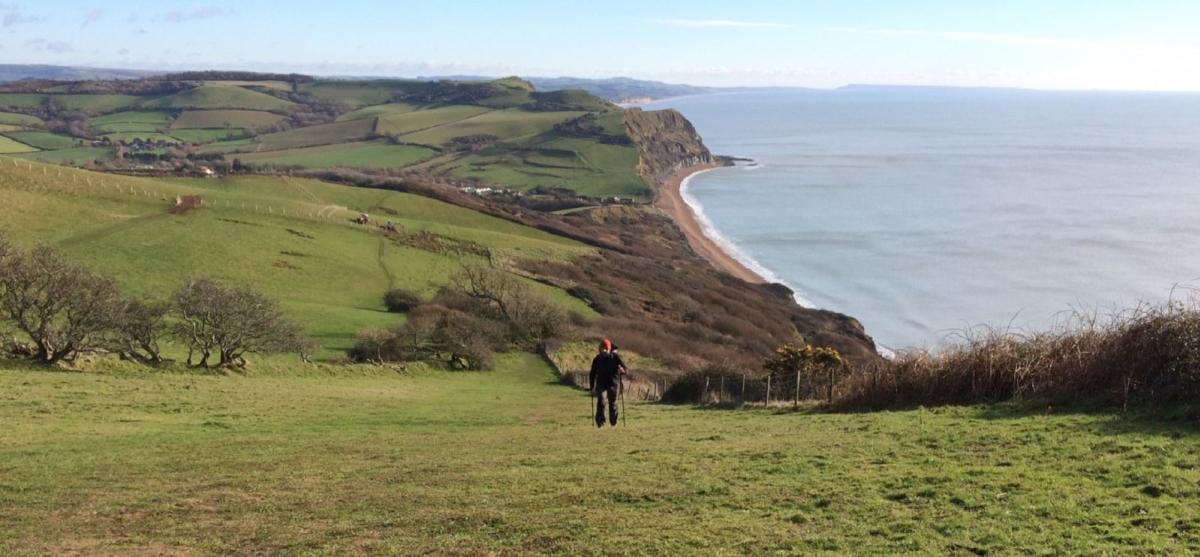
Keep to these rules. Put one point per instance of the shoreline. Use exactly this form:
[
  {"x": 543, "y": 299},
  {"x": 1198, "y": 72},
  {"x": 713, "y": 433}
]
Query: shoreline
[{"x": 670, "y": 200}]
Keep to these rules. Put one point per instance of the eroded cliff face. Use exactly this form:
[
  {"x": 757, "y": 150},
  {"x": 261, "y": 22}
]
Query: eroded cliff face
[{"x": 666, "y": 142}]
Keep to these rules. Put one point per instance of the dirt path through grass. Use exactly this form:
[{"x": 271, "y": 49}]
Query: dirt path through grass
[{"x": 369, "y": 461}]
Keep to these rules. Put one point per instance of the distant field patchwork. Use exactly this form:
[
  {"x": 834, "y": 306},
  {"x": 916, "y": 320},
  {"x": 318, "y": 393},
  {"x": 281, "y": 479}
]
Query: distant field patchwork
[
  {"x": 225, "y": 118},
  {"x": 363, "y": 154}
]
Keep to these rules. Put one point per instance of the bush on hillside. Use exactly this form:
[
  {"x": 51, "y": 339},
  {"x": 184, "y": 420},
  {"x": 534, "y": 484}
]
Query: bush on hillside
[
  {"x": 139, "y": 329},
  {"x": 399, "y": 300},
  {"x": 229, "y": 322},
  {"x": 62, "y": 308},
  {"x": 1146, "y": 355}
]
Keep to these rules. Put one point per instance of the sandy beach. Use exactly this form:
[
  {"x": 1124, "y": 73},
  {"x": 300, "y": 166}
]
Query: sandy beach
[{"x": 670, "y": 199}]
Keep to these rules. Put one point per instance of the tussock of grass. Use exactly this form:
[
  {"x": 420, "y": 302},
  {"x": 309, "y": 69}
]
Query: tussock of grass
[{"x": 1150, "y": 354}]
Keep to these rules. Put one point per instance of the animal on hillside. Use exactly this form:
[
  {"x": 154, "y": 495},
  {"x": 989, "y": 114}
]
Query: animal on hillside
[{"x": 362, "y": 219}]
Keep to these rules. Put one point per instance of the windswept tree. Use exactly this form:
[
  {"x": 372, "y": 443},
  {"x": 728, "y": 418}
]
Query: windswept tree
[
  {"x": 61, "y": 307},
  {"x": 140, "y": 327},
  {"x": 229, "y": 322},
  {"x": 531, "y": 316}
]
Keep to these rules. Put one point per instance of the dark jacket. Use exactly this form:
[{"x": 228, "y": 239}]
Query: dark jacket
[{"x": 606, "y": 371}]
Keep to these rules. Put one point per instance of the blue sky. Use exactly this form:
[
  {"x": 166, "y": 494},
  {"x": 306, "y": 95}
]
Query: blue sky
[{"x": 1064, "y": 44}]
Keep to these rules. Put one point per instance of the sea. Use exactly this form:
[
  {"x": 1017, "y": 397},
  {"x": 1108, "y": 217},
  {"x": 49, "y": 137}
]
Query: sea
[{"x": 926, "y": 213}]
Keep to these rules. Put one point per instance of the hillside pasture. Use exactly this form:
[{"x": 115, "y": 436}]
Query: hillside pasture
[
  {"x": 306, "y": 459},
  {"x": 44, "y": 140},
  {"x": 359, "y": 154},
  {"x": 355, "y": 94},
  {"x": 378, "y": 110},
  {"x": 337, "y": 132},
  {"x": 418, "y": 120},
  {"x": 72, "y": 156},
  {"x": 209, "y": 135},
  {"x": 585, "y": 166},
  {"x": 225, "y": 118},
  {"x": 24, "y": 120},
  {"x": 503, "y": 124},
  {"x": 8, "y": 145},
  {"x": 91, "y": 104},
  {"x": 292, "y": 239},
  {"x": 130, "y": 121},
  {"x": 217, "y": 97}
]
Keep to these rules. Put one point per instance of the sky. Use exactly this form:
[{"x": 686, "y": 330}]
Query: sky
[{"x": 1044, "y": 44}]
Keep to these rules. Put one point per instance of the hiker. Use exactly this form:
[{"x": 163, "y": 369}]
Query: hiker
[{"x": 604, "y": 380}]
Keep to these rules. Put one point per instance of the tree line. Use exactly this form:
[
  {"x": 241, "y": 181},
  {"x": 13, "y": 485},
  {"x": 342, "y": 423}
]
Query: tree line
[{"x": 60, "y": 310}]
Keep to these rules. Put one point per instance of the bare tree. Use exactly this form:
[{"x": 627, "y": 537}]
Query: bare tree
[
  {"x": 531, "y": 317},
  {"x": 140, "y": 327},
  {"x": 63, "y": 308},
  {"x": 231, "y": 322}
]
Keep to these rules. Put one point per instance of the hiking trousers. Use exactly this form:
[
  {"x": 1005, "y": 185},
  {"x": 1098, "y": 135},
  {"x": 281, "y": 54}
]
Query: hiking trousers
[{"x": 607, "y": 396}]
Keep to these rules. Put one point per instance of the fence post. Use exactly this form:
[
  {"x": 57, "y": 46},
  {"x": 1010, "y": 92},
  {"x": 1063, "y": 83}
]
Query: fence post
[
  {"x": 796, "y": 403},
  {"x": 743, "y": 399},
  {"x": 767, "y": 401},
  {"x": 721, "y": 393},
  {"x": 704, "y": 397}
]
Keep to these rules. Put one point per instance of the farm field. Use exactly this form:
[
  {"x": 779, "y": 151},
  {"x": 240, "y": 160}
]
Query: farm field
[
  {"x": 325, "y": 134},
  {"x": 75, "y": 155},
  {"x": 8, "y": 145},
  {"x": 143, "y": 136},
  {"x": 322, "y": 459},
  {"x": 504, "y": 124},
  {"x": 44, "y": 140},
  {"x": 378, "y": 110},
  {"x": 327, "y": 273},
  {"x": 225, "y": 118},
  {"x": 208, "y": 135},
  {"x": 219, "y": 97},
  {"x": 20, "y": 119},
  {"x": 408, "y": 122},
  {"x": 365, "y": 154}
]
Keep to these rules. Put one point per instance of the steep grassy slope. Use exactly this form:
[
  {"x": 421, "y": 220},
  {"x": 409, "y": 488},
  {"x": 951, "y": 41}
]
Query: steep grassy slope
[
  {"x": 290, "y": 238},
  {"x": 367, "y": 154},
  {"x": 506, "y": 462},
  {"x": 20, "y": 119},
  {"x": 225, "y": 118}
]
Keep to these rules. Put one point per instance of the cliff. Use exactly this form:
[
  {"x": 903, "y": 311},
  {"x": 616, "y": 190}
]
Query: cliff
[{"x": 666, "y": 142}]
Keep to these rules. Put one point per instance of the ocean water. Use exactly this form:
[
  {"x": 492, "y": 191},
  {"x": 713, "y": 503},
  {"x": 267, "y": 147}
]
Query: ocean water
[{"x": 922, "y": 212}]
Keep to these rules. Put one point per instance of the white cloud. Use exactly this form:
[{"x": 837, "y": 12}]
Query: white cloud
[
  {"x": 13, "y": 14},
  {"x": 205, "y": 12},
  {"x": 718, "y": 23},
  {"x": 92, "y": 16},
  {"x": 1001, "y": 38},
  {"x": 45, "y": 45}
]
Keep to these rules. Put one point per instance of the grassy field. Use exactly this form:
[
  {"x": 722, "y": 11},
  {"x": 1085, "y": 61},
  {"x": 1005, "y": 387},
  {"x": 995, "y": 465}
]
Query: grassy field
[
  {"x": 354, "y": 93},
  {"x": 338, "y": 132},
  {"x": 504, "y": 124},
  {"x": 20, "y": 119},
  {"x": 362, "y": 154},
  {"x": 131, "y": 121},
  {"x": 212, "y": 97},
  {"x": 291, "y": 239},
  {"x": 408, "y": 122},
  {"x": 378, "y": 110},
  {"x": 143, "y": 136},
  {"x": 13, "y": 146},
  {"x": 371, "y": 461},
  {"x": 44, "y": 140},
  {"x": 77, "y": 155},
  {"x": 208, "y": 135},
  {"x": 225, "y": 118}
]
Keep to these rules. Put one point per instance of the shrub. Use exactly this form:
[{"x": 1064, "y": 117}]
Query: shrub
[
  {"x": 140, "y": 327},
  {"x": 494, "y": 294},
  {"x": 1146, "y": 355},
  {"x": 231, "y": 322},
  {"x": 61, "y": 307},
  {"x": 401, "y": 301}
]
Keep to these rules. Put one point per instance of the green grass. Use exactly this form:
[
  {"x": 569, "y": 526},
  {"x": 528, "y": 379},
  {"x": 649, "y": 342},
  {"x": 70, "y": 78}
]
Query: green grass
[
  {"x": 408, "y": 122},
  {"x": 355, "y": 93},
  {"x": 93, "y": 104},
  {"x": 585, "y": 166},
  {"x": 21, "y": 100},
  {"x": 201, "y": 135},
  {"x": 370, "y": 461},
  {"x": 365, "y": 154},
  {"x": 76, "y": 155},
  {"x": 225, "y": 118},
  {"x": 44, "y": 140},
  {"x": 213, "y": 97},
  {"x": 20, "y": 119},
  {"x": 377, "y": 110},
  {"x": 154, "y": 118},
  {"x": 267, "y": 232},
  {"x": 13, "y": 146},
  {"x": 338, "y": 132},
  {"x": 504, "y": 124}
]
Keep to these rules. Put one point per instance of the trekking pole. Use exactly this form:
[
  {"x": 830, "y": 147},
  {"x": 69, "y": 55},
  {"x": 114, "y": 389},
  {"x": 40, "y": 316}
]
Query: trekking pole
[{"x": 623, "y": 414}]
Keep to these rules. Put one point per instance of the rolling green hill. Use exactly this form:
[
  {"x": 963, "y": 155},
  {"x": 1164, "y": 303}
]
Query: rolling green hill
[
  {"x": 499, "y": 133},
  {"x": 291, "y": 238}
]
